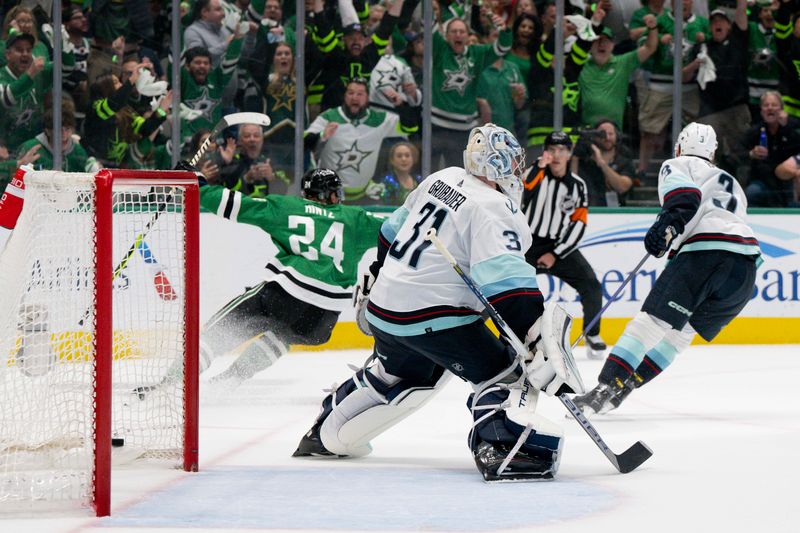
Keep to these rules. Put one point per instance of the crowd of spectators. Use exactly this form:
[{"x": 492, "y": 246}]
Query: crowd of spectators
[{"x": 493, "y": 61}]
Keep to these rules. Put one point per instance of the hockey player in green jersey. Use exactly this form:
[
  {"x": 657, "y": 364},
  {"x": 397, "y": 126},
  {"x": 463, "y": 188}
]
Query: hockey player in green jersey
[{"x": 309, "y": 282}]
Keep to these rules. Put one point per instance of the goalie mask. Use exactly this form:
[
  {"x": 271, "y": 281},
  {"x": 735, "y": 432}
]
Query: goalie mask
[
  {"x": 494, "y": 152},
  {"x": 698, "y": 140}
]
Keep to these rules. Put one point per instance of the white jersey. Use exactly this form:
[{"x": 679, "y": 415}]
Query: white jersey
[
  {"x": 353, "y": 149},
  {"x": 719, "y": 223},
  {"x": 391, "y": 72},
  {"x": 417, "y": 290}
]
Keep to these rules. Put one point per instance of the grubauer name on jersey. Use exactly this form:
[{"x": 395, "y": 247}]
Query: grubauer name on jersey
[
  {"x": 720, "y": 220},
  {"x": 319, "y": 246},
  {"x": 417, "y": 290}
]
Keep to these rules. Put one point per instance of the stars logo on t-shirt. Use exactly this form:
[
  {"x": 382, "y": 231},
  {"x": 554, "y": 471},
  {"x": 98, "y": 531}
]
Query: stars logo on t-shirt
[{"x": 351, "y": 157}]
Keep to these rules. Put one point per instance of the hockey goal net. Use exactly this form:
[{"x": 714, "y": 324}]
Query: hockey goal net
[{"x": 98, "y": 334}]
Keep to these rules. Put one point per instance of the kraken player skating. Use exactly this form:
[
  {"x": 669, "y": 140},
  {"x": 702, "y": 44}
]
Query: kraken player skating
[
  {"x": 709, "y": 277},
  {"x": 427, "y": 323}
]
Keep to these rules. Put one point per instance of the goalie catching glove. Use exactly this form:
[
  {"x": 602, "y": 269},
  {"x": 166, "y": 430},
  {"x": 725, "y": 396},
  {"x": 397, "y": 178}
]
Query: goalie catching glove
[{"x": 551, "y": 367}]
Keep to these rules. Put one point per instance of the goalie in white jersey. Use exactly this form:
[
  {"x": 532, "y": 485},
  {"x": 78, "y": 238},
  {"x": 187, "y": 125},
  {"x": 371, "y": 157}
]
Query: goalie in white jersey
[
  {"x": 710, "y": 276},
  {"x": 427, "y": 323}
]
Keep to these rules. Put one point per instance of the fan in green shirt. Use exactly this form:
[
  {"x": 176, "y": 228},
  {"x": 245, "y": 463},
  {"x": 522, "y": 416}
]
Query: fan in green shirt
[
  {"x": 501, "y": 91},
  {"x": 74, "y": 157},
  {"x": 604, "y": 79}
]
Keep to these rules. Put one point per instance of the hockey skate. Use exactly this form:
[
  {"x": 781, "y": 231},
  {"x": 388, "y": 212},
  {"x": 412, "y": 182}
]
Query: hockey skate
[
  {"x": 595, "y": 347},
  {"x": 311, "y": 444},
  {"x": 526, "y": 465},
  {"x": 604, "y": 398}
]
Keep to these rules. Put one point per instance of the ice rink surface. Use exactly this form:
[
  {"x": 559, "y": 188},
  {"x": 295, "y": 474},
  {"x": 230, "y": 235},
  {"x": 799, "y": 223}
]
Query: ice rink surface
[{"x": 723, "y": 421}]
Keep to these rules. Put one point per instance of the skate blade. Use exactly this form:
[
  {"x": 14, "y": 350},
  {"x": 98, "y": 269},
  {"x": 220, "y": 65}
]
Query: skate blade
[{"x": 516, "y": 477}]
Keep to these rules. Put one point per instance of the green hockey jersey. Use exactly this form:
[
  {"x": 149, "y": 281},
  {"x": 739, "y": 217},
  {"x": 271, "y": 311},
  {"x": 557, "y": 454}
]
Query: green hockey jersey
[
  {"x": 455, "y": 80},
  {"x": 207, "y": 97},
  {"x": 319, "y": 246}
]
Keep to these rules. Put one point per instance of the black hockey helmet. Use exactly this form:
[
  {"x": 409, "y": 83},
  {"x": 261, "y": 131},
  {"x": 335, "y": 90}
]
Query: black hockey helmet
[
  {"x": 319, "y": 183},
  {"x": 558, "y": 137}
]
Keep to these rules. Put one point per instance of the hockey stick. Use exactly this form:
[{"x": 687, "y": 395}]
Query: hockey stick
[
  {"x": 226, "y": 122},
  {"x": 624, "y": 462},
  {"x": 611, "y": 300},
  {"x": 669, "y": 234}
]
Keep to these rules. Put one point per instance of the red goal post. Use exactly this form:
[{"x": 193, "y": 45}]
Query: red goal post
[{"x": 100, "y": 291}]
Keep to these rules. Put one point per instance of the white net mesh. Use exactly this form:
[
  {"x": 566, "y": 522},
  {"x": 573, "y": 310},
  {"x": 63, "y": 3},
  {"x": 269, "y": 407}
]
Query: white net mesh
[{"x": 47, "y": 322}]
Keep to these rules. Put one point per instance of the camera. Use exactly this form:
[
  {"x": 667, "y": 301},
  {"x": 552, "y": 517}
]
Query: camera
[{"x": 586, "y": 138}]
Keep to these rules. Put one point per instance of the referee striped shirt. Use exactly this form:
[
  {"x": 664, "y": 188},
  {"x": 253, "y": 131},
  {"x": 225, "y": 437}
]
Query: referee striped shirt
[{"x": 557, "y": 211}]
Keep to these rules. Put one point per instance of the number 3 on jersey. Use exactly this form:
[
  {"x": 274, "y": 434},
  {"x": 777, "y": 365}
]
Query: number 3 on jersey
[
  {"x": 399, "y": 249},
  {"x": 331, "y": 244}
]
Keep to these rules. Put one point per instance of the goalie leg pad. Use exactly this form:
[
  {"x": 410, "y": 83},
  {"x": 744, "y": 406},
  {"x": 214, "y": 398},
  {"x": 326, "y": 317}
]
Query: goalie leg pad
[
  {"x": 369, "y": 403},
  {"x": 509, "y": 440}
]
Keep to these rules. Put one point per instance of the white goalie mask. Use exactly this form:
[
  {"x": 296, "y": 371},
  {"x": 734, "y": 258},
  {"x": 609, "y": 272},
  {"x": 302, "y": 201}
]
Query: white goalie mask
[
  {"x": 494, "y": 152},
  {"x": 699, "y": 140}
]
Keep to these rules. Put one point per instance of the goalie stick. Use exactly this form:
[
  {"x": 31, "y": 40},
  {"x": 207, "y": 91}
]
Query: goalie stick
[
  {"x": 624, "y": 462},
  {"x": 226, "y": 122}
]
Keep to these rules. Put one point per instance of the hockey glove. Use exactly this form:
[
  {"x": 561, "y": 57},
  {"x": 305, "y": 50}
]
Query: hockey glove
[
  {"x": 542, "y": 375},
  {"x": 660, "y": 235},
  {"x": 361, "y": 299},
  {"x": 188, "y": 167},
  {"x": 374, "y": 190},
  {"x": 551, "y": 366}
]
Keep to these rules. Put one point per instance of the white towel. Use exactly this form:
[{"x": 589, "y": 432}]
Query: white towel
[{"x": 708, "y": 71}]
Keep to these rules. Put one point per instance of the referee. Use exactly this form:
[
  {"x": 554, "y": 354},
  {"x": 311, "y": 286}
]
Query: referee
[{"x": 556, "y": 202}]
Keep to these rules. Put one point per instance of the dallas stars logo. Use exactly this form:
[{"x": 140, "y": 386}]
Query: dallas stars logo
[
  {"x": 24, "y": 118},
  {"x": 386, "y": 78},
  {"x": 284, "y": 97},
  {"x": 203, "y": 103},
  {"x": 457, "y": 80},
  {"x": 351, "y": 158}
]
